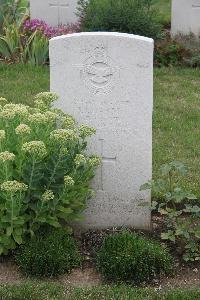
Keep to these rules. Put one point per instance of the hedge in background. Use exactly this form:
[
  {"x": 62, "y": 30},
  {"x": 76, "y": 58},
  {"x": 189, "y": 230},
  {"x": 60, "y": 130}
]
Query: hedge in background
[
  {"x": 129, "y": 257},
  {"x": 130, "y": 16}
]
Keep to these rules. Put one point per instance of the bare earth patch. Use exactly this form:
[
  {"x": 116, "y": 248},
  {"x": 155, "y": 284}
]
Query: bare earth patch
[
  {"x": 87, "y": 277},
  {"x": 186, "y": 277},
  {"x": 9, "y": 272}
]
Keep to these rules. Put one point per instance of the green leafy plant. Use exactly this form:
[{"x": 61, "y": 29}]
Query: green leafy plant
[
  {"x": 16, "y": 46},
  {"x": 51, "y": 252},
  {"x": 36, "y": 51},
  {"x": 11, "y": 42},
  {"x": 44, "y": 171},
  {"x": 12, "y": 10},
  {"x": 130, "y": 257},
  {"x": 130, "y": 16},
  {"x": 180, "y": 215}
]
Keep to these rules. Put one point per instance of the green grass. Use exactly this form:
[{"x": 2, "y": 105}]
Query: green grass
[
  {"x": 42, "y": 291},
  {"x": 18, "y": 83},
  {"x": 176, "y": 111},
  {"x": 32, "y": 291},
  {"x": 177, "y": 121}
]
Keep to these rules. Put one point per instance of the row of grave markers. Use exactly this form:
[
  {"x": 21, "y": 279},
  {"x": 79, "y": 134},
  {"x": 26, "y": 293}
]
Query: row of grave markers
[{"x": 185, "y": 14}]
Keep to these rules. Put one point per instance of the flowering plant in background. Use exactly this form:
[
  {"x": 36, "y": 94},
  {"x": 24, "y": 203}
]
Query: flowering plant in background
[
  {"x": 27, "y": 41},
  {"x": 45, "y": 172},
  {"x": 31, "y": 26},
  {"x": 49, "y": 31}
]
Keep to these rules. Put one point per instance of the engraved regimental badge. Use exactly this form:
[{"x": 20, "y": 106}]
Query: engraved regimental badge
[{"x": 99, "y": 71}]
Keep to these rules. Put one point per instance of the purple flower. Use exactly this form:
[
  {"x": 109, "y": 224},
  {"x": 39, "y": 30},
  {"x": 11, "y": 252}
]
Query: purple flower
[{"x": 49, "y": 31}]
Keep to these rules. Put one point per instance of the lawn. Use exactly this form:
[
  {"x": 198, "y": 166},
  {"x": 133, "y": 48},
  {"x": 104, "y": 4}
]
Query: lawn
[
  {"x": 177, "y": 121},
  {"x": 176, "y": 111},
  {"x": 38, "y": 291}
]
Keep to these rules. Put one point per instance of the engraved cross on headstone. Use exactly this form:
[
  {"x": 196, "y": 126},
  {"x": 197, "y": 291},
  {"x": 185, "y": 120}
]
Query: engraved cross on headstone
[
  {"x": 58, "y": 5},
  {"x": 105, "y": 160},
  {"x": 196, "y": 5}
]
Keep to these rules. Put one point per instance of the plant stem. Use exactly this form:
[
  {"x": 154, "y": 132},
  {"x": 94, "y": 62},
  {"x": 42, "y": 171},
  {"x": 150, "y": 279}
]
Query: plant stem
[
  {"x": 31, "y": 177},
  {"x": 11, "y": 198},
  {"x": 171, "y": 188},
  {"x": 54, "y": 171}
]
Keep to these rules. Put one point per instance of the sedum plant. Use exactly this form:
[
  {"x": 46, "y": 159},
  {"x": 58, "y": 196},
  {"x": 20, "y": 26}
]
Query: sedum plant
[
  {"x": 44, "y": 171},
  {"x": 181, "y": 215}
]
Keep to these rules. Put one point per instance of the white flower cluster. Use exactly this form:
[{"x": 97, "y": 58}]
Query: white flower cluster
[
  {"x": 22, "y": 129},
  {"x": 13, "y": 186},
  {"x": 37, "y": 149},
  {"x": 10, "y": 111},
  {"x": 19, "y": 109},
  {"x": 47, "y": 196},
  {"x": 85, "y": 131},
  {"x": 63, "y": 135},
  {"x": 79, "y": 160},
  {"x": 94, "y": 161},
  {"x": 50, "y": 116},
  {"x": 68, "y": 181},
  {"x": 68, "y": 122},
  {"x": 33, "y": 110},
  {"x": 7, "y": 114},
  {"x": 44, "y": 100},
  {"x": 38, "y": 118},
  {"x": 6, "y": 156}
]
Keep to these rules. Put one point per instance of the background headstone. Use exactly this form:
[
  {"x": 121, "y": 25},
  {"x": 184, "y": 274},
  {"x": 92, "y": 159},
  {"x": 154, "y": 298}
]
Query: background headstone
[
  {"x": 54, "y": 12},
  {"x": 106, "y": 80},
  {"x": 186, "y": 17}
]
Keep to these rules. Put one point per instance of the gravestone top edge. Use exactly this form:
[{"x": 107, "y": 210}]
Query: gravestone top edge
[{"x": 103, "y": 34}]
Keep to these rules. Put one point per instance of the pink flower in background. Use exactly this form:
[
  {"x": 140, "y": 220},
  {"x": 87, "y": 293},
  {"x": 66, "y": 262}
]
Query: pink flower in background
[{"x": 49, "y": 31}]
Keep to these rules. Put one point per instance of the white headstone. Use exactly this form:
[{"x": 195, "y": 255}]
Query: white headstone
[
  {"x": 106, "y": 80},
  {"x": 54, "y": 12},
  {"x": 185, "y": 17}
]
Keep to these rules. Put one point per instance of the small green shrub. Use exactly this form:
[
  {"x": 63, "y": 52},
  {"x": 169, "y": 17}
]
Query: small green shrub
[
  {"x": 129, "y": 257},
  {"x": 45, "y": 171},
  {"x": 130, "y": 16},
  {"x": 52, "y": 252}
]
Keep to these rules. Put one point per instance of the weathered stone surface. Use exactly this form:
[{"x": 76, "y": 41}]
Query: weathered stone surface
[
  {"x": 186, "y": 17},
  {"x": 106, "y": 80},
  {"x": 54, "y": 12}
]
